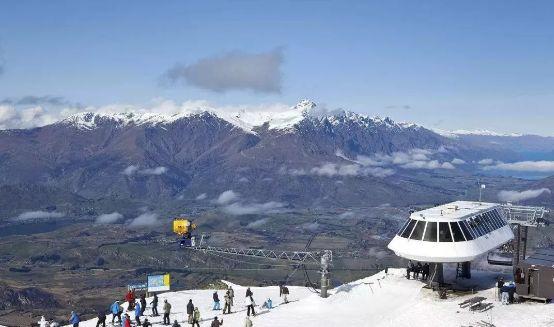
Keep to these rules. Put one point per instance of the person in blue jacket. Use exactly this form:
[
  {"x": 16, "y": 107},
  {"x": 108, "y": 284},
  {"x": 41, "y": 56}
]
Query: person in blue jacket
[
  {"x": 115, "y": 308},
  {"x": 137, "y": 313},
  {"x": 74, "y": 319}
]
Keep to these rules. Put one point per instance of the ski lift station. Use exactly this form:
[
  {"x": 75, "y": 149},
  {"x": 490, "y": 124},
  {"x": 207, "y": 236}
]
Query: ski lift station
[{"x": 454, "y": 232}]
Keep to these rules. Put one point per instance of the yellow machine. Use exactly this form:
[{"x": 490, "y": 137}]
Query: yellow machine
[{"x": 184, "y": 227}]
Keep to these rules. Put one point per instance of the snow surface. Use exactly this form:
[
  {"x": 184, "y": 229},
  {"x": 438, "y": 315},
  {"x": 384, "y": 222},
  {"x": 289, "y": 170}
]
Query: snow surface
[{"x": 390, "y": 300}]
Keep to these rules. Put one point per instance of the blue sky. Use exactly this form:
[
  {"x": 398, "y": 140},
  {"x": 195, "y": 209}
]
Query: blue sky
[{"x": 444, "y": 64}]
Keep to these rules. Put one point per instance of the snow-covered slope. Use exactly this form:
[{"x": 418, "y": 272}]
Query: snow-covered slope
[{"x": 378, "y": 300}]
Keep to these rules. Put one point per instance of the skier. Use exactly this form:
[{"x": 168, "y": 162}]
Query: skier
[
  {"x": 176, "y": 324},
  {"x": 142, "y": 304},
  {"x": 74, "y": 319},
  {"x": 190, "y": 311},
  {"x": 285, "y": 293},
  {"x": 42, "y": 322},
  {"x": 101, "y": 319},
  {"x": 250, "y": 306},
  {"x": 137, "y": 313},
  {"x": 116, "y": 310},
  {"x": 167, "y": 311},
  {"x": 248, "y": 292},
  {"x": 216, "y": 323},
  {"x": 227, "y": 306},
  {"x": 155, "y": 306},
  {"x": 196, "y": 317},
  {"x": 216, "y": 301},
  {"x": 130, "y": 298},
  {"x": 247, "y": 322},
  {"x": 146, "y": 323}
]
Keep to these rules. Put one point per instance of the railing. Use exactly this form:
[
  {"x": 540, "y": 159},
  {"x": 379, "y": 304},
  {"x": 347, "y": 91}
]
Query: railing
[{"x": 525, "y": 215}]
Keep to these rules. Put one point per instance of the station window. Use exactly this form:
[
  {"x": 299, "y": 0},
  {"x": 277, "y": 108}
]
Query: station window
[
  {"x": 489, "y": 226},
  {"x": 431, "y": 232},
  {"x": 403, "y": 227},
  {"x": 499, "y": 217},
  {"x": 457, "y": 232},
  {"x": 493, "y": 220},
  {"x": 465, "y": 229},
  {"x": 408, "y": 230},
  {"x": 444, "y": 232},
  {"x": 417, "y": 234}
]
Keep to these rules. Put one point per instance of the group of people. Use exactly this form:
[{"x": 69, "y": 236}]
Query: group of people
[
  {"x": 506, "y": 291},
  {"x": 417, "y": 270},
  {"x": 194, "y": 318}
]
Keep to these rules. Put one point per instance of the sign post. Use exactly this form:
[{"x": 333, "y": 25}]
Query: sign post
[{"x": 158, "y": 283}]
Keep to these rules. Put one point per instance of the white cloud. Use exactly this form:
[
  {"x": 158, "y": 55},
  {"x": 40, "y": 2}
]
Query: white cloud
[
  {"x": 258, "y": 223},
  {"x": 109, "y": 218},
  {"x": 486, "y": 162},
  {"x": 527, "y": 166},
  {"x": 144, "y": 220},
  {"x": 238, "y": 208},
  {"x": 227, "y": 197},
  {"x": 432, "y": 164},
  {"x": 259, "y": 72},
  {"x": 347, "y": 214},
  {"x": 202, "y": 196},
  {"x": 10, "y": 117},
  {"x": 515, "y": 196},
  {"x": 457, "y": 161},
  {"x": 132, "y": 169},
  {"x": 29, "y": 215}
]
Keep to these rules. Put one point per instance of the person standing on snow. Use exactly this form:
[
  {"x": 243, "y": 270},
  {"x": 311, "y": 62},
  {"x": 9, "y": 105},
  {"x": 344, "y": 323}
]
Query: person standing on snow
[
  {"x": 155, "y": 306},
  {"x": 42, "y": 322},
  {"x": 167, "y": 311},
  {"x": 231, "y": 294},
  {"x": 190, "y": 311},
  {"x": 499, "y": 285},
  {"x": 101, "y": 319},
  {"x": 196, "y": 317},
  {"x": 142, "y": 304},
  {"x": 249, "y": 292},
  {"x": 116, "y": 310},
  {"x": 250, "y": 306},
  {"x": 227, "y": 306},
  {"x": 247, "y": 322},
  {"x": 130, "y": 298},
  {"x": 74, "y": 319},
  {"x": 216, "y": 301},
  {"x": 285, "y": 294},
  {"x": 216, "y": 323},
  {"x": 137, "y": 313}
]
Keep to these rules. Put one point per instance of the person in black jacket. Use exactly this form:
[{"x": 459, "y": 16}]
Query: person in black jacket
[
  {"x": 248, "y": 292},
  {"x": 101, "y": 319},
  {"x": 155, "y": 306},
  {"x": 190, "y": 311},
  {"x": 142, "y": 304},
  {"x": 217, "y": 305}
]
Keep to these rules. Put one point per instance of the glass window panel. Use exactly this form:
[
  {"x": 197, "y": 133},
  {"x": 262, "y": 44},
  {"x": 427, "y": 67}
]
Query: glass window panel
[
  {"x": 444, "y": 233},
  {"x": 403, "y": 227},
  {"x": 417, "y": 234},
  {"x": 497, "y": 219},
  {"x": 457, "y": 232},
  {"x": 480, "y": 226},
  {"x": 465, "y": 228},
  {"x": 431, "y": 232},
  {"x": 500, "y": 217},
  {"x": 474, "y": 224},
  {"x": 406, "y": 233},
  {"x": 487, "y": 223},
  {"x": 493, "y": 220}
]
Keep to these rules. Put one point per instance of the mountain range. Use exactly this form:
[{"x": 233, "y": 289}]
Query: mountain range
[{"x": 301, "y": 157}]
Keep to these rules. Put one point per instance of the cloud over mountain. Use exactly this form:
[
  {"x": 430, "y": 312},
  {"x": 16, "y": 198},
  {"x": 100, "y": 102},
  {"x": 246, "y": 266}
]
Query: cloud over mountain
[
  {"x": 515, "y": 196},
  {"x": 260, "y": 72}
]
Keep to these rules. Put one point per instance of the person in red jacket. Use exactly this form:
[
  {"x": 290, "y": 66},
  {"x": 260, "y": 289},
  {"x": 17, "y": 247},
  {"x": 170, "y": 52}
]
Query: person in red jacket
[{"x": 130, "y": 298}]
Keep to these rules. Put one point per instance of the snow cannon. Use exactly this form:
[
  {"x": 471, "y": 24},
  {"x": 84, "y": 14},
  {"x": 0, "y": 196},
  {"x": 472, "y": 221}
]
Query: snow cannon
[{"x": 184, "y": 227}]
